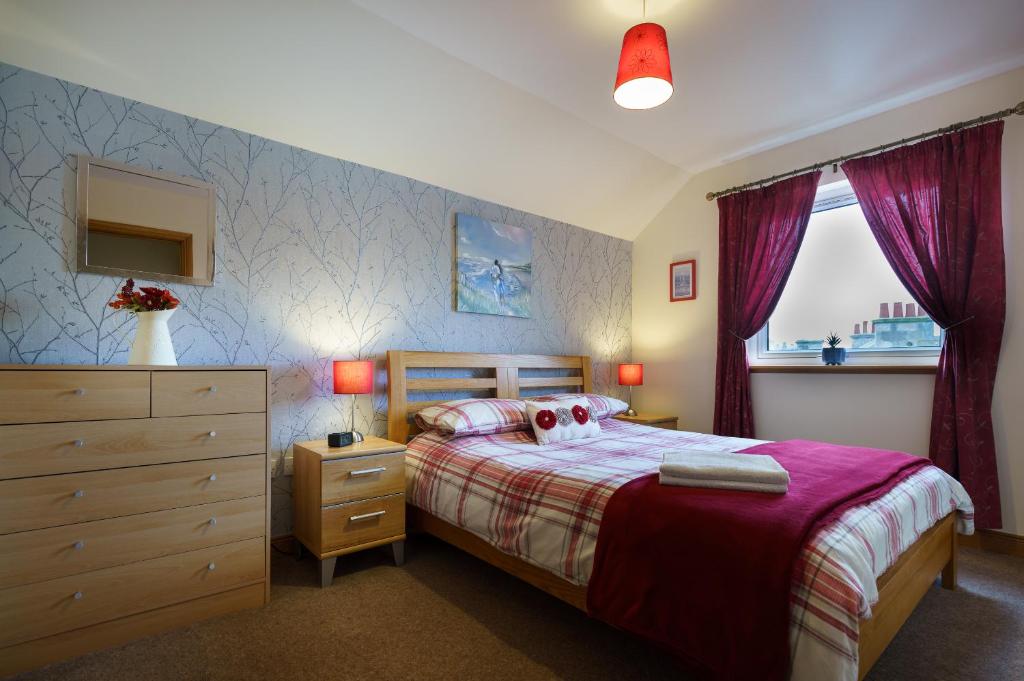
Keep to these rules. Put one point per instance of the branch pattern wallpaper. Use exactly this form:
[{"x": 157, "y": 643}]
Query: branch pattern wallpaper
[{"x": 317, "y": 259}]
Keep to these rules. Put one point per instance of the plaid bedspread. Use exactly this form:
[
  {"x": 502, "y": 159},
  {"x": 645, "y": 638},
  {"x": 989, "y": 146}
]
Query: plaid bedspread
[{"x": 544, "y": 505}]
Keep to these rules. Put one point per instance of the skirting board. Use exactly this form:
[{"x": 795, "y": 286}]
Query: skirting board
[{"x": 996, "y": 542}]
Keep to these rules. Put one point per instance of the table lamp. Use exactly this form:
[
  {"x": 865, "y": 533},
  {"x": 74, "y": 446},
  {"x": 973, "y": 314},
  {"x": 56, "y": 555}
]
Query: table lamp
[
  {"x": 351, "y": 377},
  {"x": 631, "y": 374}
]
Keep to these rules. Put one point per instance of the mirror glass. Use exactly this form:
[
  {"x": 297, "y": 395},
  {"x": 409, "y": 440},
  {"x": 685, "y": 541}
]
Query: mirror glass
[{"x": 145, "y": 224}]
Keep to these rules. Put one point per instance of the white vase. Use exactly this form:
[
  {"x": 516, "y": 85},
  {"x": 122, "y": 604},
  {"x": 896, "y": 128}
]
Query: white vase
[{"x": 152, "y": 344}]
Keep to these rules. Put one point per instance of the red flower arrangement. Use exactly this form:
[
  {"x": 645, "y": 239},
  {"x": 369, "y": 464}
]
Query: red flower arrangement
[
  {"x": 546, "y": 419},
  {"x": 146, "y": 299},
  {"x": 579, "y": 412}
]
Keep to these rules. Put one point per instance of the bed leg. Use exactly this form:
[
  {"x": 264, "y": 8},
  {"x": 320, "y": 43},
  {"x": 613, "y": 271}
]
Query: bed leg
[{"x": 949, "y": 571}]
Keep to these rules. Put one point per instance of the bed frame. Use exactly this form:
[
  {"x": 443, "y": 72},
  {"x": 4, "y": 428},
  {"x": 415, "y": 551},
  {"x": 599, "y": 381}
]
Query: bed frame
[{"x": 900, "y": 588}]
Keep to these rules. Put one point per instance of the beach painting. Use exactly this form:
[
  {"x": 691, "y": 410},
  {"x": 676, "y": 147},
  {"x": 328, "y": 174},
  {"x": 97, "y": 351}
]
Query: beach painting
[{"x": 493, "y": 267}]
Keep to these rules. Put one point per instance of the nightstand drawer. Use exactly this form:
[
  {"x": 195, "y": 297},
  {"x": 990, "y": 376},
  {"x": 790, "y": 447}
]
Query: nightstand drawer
[
  {"x": 45, "y": 396},
  {"x": 51, "y": 500},
  {"x": 362, "y": 477},
  {"x": 51, "y": 448},
  {"x": 361, "y": 522},
  {"x": 189, "y": 393}
]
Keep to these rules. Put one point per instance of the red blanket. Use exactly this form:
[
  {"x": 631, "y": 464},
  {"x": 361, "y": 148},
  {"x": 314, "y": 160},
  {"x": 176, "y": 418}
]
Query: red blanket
[{"x": 707, "y": 573}]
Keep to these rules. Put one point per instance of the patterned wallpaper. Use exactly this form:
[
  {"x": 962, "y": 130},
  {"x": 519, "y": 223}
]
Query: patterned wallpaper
[{"x": 317, "y": 259}]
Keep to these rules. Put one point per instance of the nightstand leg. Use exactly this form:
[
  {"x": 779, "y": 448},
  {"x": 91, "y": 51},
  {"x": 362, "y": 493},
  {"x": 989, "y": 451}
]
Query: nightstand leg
[
  {"x": 398, "y": 551},
  {"x": 327, "y": 571}
]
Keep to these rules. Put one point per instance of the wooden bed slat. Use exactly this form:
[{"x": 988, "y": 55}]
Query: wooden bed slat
[
  {"x": 550, "y": 381},
  {"x": 475, "y": 360},
  {"x": 451, "y": 383}
]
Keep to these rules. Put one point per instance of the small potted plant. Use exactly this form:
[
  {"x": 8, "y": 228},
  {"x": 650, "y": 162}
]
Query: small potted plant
[
  {"x": 152, "y": 308},
  {"x": 833, "y": 355}
]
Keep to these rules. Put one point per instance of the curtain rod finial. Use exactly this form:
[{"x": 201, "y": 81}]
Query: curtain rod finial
[{"x": 710, "y": 196}]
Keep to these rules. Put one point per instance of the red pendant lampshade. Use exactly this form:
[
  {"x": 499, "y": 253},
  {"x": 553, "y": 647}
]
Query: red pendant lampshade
[
  {"x": 645, "y": 73},
  {"x": 631, "y": 374},
  {"x": 354, "y": 377}
]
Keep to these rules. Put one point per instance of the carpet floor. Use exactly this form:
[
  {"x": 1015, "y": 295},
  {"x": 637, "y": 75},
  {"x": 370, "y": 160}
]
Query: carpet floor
[{"x": 446, "y": 615}]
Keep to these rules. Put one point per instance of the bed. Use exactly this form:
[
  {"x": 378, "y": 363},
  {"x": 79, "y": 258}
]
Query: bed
[{"x": 858, "y": 580}]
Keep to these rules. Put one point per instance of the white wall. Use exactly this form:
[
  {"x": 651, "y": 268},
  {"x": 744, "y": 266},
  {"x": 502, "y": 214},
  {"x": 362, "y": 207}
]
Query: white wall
[{"x": 677, "y": 340}]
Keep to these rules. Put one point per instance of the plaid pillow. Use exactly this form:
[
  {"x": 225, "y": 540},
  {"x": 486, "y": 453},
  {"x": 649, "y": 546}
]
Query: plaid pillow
[
  {"x": 474, "y": 416},
  {"x": 558, "y": 420},
  {"x": 601, "y": 406}
]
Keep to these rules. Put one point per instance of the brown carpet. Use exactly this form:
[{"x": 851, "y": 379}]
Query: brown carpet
[{"x": 446, "y": 615}]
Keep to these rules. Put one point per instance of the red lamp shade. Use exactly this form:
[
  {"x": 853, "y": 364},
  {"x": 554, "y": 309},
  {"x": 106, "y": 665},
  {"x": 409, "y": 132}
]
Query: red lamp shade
[
  {"x": 631, "y": 374},
  {"x": 645, "y": 74},
  {"x": 353, "y": 377}
]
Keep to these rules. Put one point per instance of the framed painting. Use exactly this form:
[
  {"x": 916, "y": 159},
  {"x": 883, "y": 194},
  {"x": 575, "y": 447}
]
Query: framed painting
[
  {"x": 682, "y": 280},
  {"x": 493, "y": 267}
]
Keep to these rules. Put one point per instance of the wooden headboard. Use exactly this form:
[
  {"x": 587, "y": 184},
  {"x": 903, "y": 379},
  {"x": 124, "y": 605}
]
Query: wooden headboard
[{"x": 505, "y": 381}]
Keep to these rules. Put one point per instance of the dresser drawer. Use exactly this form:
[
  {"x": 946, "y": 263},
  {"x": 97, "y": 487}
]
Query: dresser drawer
[
  {"x": 41, "y": 555},
  {"x": 47, "y": 449},
  {"x": 33, "y": 503},
  {"x": 361, "y": 477},
  {"x": 46, "y": 396},
  {"x": 37, "y": 610},
  {"x": 360, "y": 522},
  {"x": 186, "y": 393}
]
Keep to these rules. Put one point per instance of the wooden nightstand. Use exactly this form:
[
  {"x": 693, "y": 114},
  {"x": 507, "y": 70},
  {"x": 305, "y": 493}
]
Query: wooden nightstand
[
  {"x": 347, "y": 499},
  {"x": 654, "y": 420}
]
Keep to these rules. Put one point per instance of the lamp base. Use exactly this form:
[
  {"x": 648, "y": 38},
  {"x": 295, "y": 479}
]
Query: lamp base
[{"x": 344, "y": 439}]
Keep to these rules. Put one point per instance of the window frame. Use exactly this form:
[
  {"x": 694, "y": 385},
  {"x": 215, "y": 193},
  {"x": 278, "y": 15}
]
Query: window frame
[{"x": 757, "y": 346}]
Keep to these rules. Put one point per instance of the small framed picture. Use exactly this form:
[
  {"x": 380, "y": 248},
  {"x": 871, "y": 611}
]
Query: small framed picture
[{"x": 682, "y": 280}]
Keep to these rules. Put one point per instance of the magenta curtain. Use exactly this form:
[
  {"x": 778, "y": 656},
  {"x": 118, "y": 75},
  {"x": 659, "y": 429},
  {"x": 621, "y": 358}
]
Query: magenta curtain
[
  {"x": 759, "y": 234},
  {"x": 936, "y": 211}
]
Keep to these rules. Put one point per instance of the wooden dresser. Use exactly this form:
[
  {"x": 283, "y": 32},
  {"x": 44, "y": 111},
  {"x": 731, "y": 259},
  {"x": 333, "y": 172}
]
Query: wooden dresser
[{"x": 132, "y": 500}]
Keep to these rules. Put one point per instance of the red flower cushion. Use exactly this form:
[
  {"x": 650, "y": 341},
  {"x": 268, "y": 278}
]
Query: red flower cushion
[{"x": 568, "y": 419}]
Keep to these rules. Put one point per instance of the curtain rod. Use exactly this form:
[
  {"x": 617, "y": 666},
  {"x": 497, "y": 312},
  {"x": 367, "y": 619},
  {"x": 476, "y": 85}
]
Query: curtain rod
[{"x": 1005, "y": 113}]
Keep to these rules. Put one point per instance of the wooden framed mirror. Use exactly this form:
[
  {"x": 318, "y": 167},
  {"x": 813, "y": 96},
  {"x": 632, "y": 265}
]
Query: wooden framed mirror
[{"x": 147, "y": 224}]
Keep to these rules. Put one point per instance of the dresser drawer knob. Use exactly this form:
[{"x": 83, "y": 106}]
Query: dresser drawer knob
[
  {"x": 213, "y": 477},
  {"x": 78, "y": 493},
  {"x": 212, "y": 388},
  {"x": 78, "y": 595},
  {"x": 366, "y": 516},
  {"x": 368, "y": 471},
  {"x": 79, "y": 443},
  {"x": 212, "y": 433},
  {"x": 211, "y": 567},
  {"x": 79, "y": 545},
  {"x": 213, "y": 521},
  {"x": 79, "y": 391}
]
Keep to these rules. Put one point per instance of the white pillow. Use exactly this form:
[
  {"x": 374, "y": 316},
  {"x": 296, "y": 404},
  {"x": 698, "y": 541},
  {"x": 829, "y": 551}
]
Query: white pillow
[
  {"x": 602, "y": 406},
  {"x": 565, "y": 419}
]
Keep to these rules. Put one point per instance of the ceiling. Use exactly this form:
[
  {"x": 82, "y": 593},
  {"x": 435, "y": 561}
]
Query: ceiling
[
  {"x": 510, "y": 101},
  {"x": 748, "y": 74}
]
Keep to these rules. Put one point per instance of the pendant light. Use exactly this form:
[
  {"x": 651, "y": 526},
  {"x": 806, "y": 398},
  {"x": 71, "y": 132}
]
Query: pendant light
[{"x": 644, "y": 80}]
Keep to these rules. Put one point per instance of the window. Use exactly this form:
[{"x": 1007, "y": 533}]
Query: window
[{"x": 842, "y": 283}]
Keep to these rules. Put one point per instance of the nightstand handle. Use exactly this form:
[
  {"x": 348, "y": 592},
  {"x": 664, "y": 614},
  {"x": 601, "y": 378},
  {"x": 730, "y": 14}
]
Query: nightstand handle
[
  {"x": 367, "y": 516},
  {"x": 368, "y": 471}
]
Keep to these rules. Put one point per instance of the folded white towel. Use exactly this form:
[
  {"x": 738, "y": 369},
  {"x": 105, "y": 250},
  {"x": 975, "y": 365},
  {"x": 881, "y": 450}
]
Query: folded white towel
[
  {"x": 724, "y": 484},
  {"x": 696, "y": 464}
]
